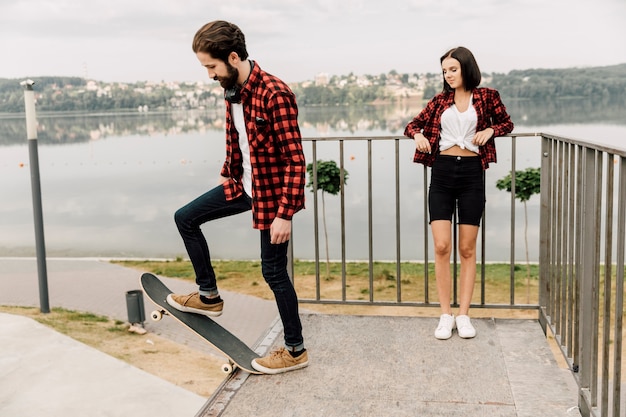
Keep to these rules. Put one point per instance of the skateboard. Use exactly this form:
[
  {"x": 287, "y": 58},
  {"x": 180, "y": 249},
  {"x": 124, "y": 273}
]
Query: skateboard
[{"x": 238, "y": 353}]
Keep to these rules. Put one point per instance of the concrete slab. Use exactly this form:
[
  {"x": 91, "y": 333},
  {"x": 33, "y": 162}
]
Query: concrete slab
[
  {"x": 393, "y": 366},
  {"x": 43, "y": 372},
  {"x": 530, "y": 364}
]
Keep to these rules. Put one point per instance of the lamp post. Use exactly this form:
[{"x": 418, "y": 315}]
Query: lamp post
[{"x": 31, "y": 133}]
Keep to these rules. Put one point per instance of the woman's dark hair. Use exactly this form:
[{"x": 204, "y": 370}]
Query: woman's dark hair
[
  {"x": 469, "y": 68},
  {"x": 219, "y": 39}
]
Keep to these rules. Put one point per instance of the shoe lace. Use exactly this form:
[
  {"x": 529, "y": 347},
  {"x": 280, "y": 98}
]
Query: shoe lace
[
  {"x": 190, "y": 296},
  {"x": 278, "y": 353}
]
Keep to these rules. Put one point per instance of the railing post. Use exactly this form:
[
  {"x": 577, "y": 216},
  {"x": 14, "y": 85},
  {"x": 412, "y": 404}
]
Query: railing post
[
  {"x": 398, "y": 228},
  {"x": 512, "y": 227},
  {"x": 619, "y": 290},
  {"x": 31, "y": 133},
  {"x": 316, "y": 223},
  {"x": 544, "y": 231},
  {"x": 370, "y": 220},
  {"x": 587, "y": 282},
  {"x": 342, "y": 185},
  {"x": 608, "y": 279},
  {"x": 425, "y": 234}
]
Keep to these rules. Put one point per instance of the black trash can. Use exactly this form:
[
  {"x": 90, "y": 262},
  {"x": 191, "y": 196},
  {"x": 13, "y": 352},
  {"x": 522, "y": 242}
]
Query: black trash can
[{"x": 134, "y": 306}]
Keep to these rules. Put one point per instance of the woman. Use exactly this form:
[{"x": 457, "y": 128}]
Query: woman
[{"x": 454, "y": 135}]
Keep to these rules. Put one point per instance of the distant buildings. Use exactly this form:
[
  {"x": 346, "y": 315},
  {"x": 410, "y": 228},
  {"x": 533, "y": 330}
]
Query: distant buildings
[{"x": 322, "y": 79}]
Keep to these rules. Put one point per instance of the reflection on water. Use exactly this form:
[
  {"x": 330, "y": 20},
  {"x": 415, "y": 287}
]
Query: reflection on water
[
  {"x": 76, "y": 128},
  {"x": 345, "y": 120},
  {"x": 112, "y": 187},
  {"x": 559, "y": 112}
]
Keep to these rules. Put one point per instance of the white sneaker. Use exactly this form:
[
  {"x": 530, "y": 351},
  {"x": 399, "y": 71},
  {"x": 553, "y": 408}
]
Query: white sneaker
[
  {"x": 465, "y": 328},
  {"x": 445, "y": 327}
]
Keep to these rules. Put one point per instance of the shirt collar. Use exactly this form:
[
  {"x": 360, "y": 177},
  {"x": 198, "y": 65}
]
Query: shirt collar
[{"x": 252, "y": 81}]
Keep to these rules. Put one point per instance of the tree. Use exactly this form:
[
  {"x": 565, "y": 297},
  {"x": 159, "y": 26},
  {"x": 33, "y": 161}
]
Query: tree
[
  {"x": 527, "y": 183},
  {"x": 329, "y": 181}
]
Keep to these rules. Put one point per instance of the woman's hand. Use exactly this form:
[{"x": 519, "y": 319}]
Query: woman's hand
[
  {"x": 480, "y": 138},
  {"x": 421, "y": 143}
]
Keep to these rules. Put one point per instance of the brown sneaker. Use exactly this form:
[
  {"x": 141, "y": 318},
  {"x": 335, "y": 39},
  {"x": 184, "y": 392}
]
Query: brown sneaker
[
  {"x": 280, "y": 361},
  {"x": 192, "y": 304}
]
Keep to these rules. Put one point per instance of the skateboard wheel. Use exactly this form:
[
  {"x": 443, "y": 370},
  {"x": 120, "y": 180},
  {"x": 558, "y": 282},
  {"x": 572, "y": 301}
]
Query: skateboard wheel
[
  {"x": 156, "y": 315},
  {"x": 227, "y": 368}
]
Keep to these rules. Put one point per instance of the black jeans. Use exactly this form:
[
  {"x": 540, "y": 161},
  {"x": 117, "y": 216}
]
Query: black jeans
[{"x": 213, "y": 205}]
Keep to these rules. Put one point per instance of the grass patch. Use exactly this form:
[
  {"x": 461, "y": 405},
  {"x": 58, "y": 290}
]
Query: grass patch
[{"x": 245, "y": 277}]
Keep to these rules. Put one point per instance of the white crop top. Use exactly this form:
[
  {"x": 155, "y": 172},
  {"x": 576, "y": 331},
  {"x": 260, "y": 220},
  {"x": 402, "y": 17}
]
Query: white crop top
[{"x": 458, "y": 128}]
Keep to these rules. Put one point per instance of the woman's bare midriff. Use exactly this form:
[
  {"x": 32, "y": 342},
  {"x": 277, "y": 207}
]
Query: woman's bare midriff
[{"x": 456, "y": 151}]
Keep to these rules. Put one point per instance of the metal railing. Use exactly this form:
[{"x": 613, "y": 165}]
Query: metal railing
[
  {"x": 424, "y": 262},
  {"x": 583, "y": 218},
  {"x": 581, "y": 255}
]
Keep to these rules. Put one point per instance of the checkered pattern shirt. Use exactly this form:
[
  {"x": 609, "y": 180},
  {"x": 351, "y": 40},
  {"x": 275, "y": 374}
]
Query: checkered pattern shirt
[
  {"x": 276, "y": 156},
  {"x": 490, "y": 112}
]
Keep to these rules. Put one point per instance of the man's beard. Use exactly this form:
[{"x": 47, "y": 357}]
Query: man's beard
[{"x": 231, "y": 79}]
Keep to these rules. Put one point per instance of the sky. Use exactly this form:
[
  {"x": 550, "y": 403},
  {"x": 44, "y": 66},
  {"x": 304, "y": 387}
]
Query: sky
[{"x": 150, "y": 40}]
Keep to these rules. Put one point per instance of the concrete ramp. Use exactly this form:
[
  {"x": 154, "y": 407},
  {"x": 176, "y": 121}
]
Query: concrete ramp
[{"x": 393, "y": 366}]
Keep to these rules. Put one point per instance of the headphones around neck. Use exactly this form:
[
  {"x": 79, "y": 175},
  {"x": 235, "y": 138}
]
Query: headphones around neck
[{"x": 233, "y": 95}]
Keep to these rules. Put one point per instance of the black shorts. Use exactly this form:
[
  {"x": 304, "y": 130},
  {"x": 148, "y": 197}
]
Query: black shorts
[{"x": 457, "y": 181}]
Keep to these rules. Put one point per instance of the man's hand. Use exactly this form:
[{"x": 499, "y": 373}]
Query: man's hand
[{"x": 280, "y": 231}]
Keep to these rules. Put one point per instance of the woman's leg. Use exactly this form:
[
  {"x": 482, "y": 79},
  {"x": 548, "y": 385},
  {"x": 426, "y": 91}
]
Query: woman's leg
[
  {"x": 442, "y": 237},
  {"x": 471, "y": 205},
  {"x": 467, "y": 253}
]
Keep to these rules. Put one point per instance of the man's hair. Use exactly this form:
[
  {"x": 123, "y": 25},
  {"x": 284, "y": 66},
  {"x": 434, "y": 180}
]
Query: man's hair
[
  {"x": 219, "y": 39},
  {"x": 469, "y": 68}
]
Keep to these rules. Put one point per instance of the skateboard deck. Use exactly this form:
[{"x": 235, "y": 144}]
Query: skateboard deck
[{"x": 237, "y": 352}]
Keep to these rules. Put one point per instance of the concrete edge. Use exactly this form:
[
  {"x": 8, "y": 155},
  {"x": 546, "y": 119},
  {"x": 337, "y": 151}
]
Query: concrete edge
[{"x": 219, "y": 400}]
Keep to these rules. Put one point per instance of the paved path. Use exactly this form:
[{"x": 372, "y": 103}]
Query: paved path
[
  {"x": 100, "y": 287},
  {"x": 45, "y": 373}
]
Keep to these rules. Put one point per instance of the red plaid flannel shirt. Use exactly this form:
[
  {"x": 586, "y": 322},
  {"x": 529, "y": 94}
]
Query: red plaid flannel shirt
[
  {"x": 490, "y": 112},
  {"x": 276, "y": 156}
]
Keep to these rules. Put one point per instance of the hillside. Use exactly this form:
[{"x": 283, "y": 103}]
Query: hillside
[{"x": 606, "y": 83}]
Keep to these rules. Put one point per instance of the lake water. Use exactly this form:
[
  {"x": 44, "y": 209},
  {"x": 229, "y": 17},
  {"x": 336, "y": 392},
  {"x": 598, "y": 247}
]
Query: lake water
[{"x": 111, "y": 183}]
